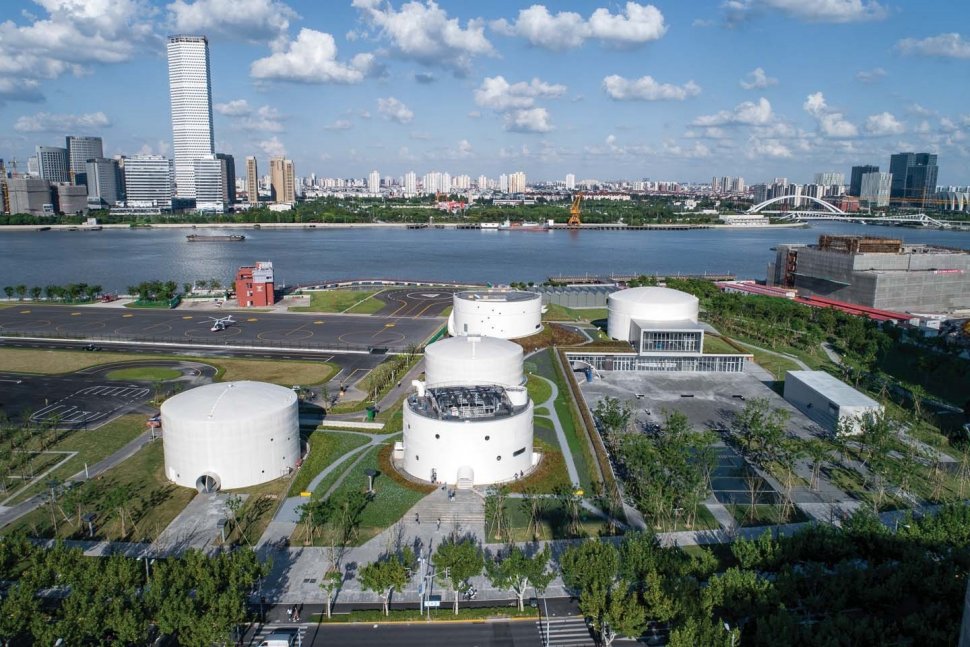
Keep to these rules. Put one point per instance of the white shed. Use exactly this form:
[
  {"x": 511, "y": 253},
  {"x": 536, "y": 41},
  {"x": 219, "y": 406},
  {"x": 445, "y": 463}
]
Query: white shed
[{"x": 827, "y": 400}]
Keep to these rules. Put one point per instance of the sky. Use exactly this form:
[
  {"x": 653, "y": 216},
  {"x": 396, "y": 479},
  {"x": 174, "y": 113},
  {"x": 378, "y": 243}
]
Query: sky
[{"x": 670, "y": 90}]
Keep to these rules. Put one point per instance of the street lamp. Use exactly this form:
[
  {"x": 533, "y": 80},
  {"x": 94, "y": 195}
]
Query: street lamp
[{"x": 371, "y": 473}]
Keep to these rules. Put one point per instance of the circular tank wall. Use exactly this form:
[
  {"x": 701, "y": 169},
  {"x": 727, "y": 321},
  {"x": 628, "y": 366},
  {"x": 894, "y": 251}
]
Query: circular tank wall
[
  {"x": 230, "y": 435},
  {"x": 651, "y": 304},
  {"x": 473, "y": 360},
  {"x": 507, "y": 314}
]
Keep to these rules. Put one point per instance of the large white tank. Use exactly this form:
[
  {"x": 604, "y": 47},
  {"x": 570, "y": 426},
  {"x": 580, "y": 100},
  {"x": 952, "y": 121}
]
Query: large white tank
[
  {"x": 230, "y": 435},
  {"x": 650, "y": 303},
  {"x": 473, "y": 360},
  {"x": 507, "y": 314}
]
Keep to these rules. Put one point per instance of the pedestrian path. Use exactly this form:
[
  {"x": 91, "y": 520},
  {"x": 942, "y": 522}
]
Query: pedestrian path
[{"x": 570, "y": 631}]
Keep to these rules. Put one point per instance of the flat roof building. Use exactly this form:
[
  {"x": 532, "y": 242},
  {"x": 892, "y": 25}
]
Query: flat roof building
[
  {"x": 254, "y": 285},
  {"x": 828, "y": 401}
]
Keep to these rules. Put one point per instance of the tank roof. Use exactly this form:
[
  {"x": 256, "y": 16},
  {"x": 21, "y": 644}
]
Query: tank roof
[
  {"x": 464, "y": 403},
  {"x": 498, "y": 295},
  {"x": 653, "y": 295},
  {"x": 474, "y": 347},
  {"x": 229, "y": 401}
]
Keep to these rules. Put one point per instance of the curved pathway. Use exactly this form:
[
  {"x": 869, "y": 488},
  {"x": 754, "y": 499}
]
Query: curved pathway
[{"x": 553, "y": 417}]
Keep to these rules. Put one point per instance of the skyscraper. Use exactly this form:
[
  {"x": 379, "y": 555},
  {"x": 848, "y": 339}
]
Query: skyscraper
[
  {"x": 374, "y": 182},
  {"x": 102, "y": 181},
  {"x": 210, "y": 184},
  {"x": 517, "y": 182},
  {"x": 282, "y": 180},
  {"x": 570, "y": 182},
  {"x": 875, "y": 189},
  {"x": 191, "y": 96},
  {"x": 52, "y": 163},
  {"x": 148, "y": 181},
  {"x": 914, "y": 178},
  {"x": 252, "y": 181},
  {"x": 410, "y": 183},
  {"x": 79, "y": 151},
  {"x": 855, "y": 180},
  {"x": 229, "y": 175}
]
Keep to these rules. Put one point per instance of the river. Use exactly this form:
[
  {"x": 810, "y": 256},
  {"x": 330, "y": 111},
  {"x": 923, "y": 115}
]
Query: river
[{"x": 117, "y": 258}]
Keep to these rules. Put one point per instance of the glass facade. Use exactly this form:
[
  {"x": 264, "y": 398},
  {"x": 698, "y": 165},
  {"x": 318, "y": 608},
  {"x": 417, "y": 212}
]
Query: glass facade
[
  {"x": 673, "y": 363},
  {"x": 656, "y": 341}
]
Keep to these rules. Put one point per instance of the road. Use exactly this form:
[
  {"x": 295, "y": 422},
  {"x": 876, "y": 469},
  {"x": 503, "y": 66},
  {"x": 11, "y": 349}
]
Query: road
[
  {"x": 484, "y": 634},
  {"x": 254, "y": 329}
]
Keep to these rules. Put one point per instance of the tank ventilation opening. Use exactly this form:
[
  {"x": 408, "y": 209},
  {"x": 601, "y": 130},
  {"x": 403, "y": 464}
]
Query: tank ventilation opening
[{"x": 207, "y": 483}]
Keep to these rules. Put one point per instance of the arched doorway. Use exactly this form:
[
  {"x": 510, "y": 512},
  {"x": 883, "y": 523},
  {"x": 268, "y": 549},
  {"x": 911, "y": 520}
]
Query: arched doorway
[{"x": 207, "y": 483}]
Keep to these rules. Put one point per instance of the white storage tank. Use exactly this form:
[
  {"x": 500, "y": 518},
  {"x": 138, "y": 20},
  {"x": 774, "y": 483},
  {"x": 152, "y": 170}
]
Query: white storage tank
[
  {"x": 507, "y": 314},
  {"x": 230, "y": 435},
  {"x": 648, "y": 304},
  {"x": 473, "y": 360}
]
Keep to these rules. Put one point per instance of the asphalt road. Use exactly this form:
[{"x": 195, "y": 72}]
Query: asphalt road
[
  {"x": 484, "y": 634},
  {"x": 255, "y": 329}
]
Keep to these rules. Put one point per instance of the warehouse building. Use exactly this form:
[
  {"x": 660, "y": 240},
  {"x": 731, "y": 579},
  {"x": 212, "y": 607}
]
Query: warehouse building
[{"x": 828, "y": 401}]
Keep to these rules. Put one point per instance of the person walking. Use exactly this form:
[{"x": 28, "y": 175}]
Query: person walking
[{"x": 417, "y": 518}]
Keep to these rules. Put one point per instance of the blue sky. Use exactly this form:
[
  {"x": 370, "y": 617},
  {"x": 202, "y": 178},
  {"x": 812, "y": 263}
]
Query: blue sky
[{"x": 669, "y": 90}]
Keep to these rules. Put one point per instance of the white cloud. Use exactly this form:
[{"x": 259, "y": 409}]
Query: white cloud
[
  {"x": 870, "y": 76},
  {"x": 950, "y": 45},
  {"x": 464, "y": 148},
  {"x": 758, "y": 148},
  {"x": 757, "y": 79},
  {"x": 696, "y": 150},
  {"x": 474, "y": 114},
  {"x": 530, "y": 120},
  {"x": 234, "y": 108},
  {"x": 252, "y": 20},
  {"x": 647, "y": 89},
  {"x": 830, "y": 11},
  {"x": 311, "y": 58},
  {"x": 424, "y": 78},
  {"x": 830, "y": 122},
  {"x": 884, "y": 123},
  {"x": 423, "y": 32},
  {"x": 272, "y": 147},
  {"x": 394, "y": 110},
  {"x": 499, "y": 94},
  {"x": 746, "y": 113},
  {"x": 339, "y": 124},
  {"x": 45, "y": 122},
  {"x": 637, "y": 24}
]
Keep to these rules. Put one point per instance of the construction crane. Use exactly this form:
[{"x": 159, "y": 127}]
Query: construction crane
[{"x": 574, "y": 211}]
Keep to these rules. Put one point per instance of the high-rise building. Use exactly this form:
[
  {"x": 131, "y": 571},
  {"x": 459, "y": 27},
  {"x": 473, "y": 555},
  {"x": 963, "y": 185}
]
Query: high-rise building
[
  {"x": 210, "y": 184},
  {"x": 410, "y": 183},
  {"x": 830, "y": 178},
  {"x": 875, "y": 189},
  {"x": 191, "y": 96},
  {"x": 517, "y": 182},
  {"x": 70, "y": 199},
  {"x": 52, "y": 163},
  {"x": 374, "y": 182},
  {"x": 31, "y": 196},
  {"x": 282, "y": 180},
  {"x": 148, "y": 181},
  {"x": 570, "y": 182},
  {"x": 914, "y": 178},
  {"x": 229, "y": 174},
  {"x": 855, "y": 179},
  {"x": 103, "y": 184},
  {"x": 252, "y": 181},
  {"x": 79, "y": 151},
  {"x": 503, "y": 183}
]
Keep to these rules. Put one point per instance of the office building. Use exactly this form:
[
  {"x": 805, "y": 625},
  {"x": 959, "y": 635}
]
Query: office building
[
  {"x": 229, "y": 174},
  {"x": 103, "y": 182},
  {"x": 374, "y": 182},
  {"x": 855, "y": 179},
  {"x": 191, "y": 97},
  {"x": 252, "y": 181},
  {"x": 70, "y": 199},
  {"x": 875, "y": 189},
  {"x": 79, "y": 151},
  {"x": 52, "y": 163},
  {"x": 149, "y": 181},
  {"x": 876, "y": 272},
  {"x": 31, "y": 196},
  {"x": 210, "y": 184},
  {"x": 282, "y": 180},
  {"x": 914, "y": 178},
  {"x": 517, "y": 182}
]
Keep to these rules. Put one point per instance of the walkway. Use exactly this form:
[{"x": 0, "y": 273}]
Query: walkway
[{"x": 550, "y": 406}]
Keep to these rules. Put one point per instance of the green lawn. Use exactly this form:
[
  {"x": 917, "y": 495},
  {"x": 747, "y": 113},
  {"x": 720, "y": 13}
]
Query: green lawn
[
  {"x": 715, "y": 345},
  {"x": 553, "y": 522},
  {"x": 325, "y": 448},
  {"x": 555, "y": 312},
  {"x": 539, "y": 390},
  {"x": 358, "y": 301},
  {"x": 764, "y": 515},
  {"x": 549, "y": 474},
  {"x": 144, "y": 374}
]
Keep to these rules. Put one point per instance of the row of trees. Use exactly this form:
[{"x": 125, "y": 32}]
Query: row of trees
[
  {"x": 59, "y": 594},
  {"x": 70, "y": 293}
]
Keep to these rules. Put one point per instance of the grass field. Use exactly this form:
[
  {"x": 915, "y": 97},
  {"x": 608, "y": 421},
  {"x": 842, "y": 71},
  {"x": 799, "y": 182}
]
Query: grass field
[
  {"x": 548, "y": 475},
  {"x": 91, "y": 446},
  {"x": 325, "y": 448},
  {"x": 555, "y": 312},
  {"x": 539, "y": 390},
  {"x": 47, "y": 362},
  {"x": 764, "y": 515},
  {"x": 553, "y": 522},
  {"x": 714, "y": 345},
  {"x": 356, "y": 301},
  {"x": 144, "y": 374}
]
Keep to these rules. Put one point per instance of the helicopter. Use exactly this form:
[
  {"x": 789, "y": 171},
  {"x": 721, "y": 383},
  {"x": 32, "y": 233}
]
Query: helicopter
[{"x": 220, "y": 324}]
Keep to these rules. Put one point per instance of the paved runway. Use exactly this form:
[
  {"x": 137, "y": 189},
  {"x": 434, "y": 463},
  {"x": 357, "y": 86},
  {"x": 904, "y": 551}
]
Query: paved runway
[
  {"x": 416, "y": 301},
  {"x": 268, "y": 330}
]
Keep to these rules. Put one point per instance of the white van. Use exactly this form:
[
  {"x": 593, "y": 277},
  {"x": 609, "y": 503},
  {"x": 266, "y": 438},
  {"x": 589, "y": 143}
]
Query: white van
[{"x": 279, "y": 640}]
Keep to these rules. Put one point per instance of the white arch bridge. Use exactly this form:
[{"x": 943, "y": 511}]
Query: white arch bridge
[{"x": 824, "y": 211}]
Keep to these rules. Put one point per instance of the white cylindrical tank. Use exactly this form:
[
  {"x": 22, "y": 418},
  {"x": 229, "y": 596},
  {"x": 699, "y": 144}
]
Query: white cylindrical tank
[
  {"x": 230, "y": 435},
  {"x": 473, "y": 360},
  {"x": 650, "y": 303},
  {"x": 507, "y": 314},
  {"x": 485, "y": 451}
]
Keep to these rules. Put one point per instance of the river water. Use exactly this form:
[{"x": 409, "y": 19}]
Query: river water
[{"x": 117, "y": 258}]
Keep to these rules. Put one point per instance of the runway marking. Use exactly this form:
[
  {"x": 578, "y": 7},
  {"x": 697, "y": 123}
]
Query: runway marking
[
  {"x": 187, "y": 317},
  {"x": 252, "y": 319},
  {"x": 127, "y": 316},
  {"x": 350, "y": 378},
  {"x": 74, "y": 314},
  {"x": 25, "y": 312},
  {"x": 317, "y": 323},
  {"x": 389, "y": 325},
  {"x": 424, "y": 309}
]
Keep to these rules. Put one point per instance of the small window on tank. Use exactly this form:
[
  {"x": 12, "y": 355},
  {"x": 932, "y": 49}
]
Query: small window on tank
[
  {"x": 498, "y": 458},
  {"x": 437, "y": 436},
  {"x": 487, "y": 437}
]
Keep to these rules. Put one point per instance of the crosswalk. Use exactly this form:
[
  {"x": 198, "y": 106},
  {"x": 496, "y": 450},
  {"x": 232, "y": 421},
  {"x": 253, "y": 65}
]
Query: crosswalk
[
  {"x": 570, "y": 631},
  {"x": 298, "y": 631}
]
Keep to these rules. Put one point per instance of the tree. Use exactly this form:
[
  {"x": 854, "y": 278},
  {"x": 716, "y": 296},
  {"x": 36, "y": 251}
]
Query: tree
[
  {"x": 384, "y": 577},
  {"x": 35, "y": 292},
  {"x": 818, "y": 452},
  {"x": 186, "y": 288},
  {"x": 455, "y": 562},
  {"x": 331, "y": 583},
  {"x": 116, "y": 500},
  {"x": 8, "y": 290},
  {"x": 615, "y": 613},
  {"x": 21, "y": 290},
  {"x": 532, "y": 504},
  {"x": 515, "y": 571},
  {"x": 590, "y": 564},
  {"x": 495, "y": 510}
]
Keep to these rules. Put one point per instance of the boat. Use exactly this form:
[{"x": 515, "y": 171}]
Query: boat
[
  {"x": 233, "y": 238},
  {"x": 44, "y": 229},
  {"x": 523, "y": 226},
  {"x": 488, "y": 225}
]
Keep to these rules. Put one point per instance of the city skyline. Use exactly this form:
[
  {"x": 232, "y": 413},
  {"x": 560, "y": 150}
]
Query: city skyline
[{"x": 660, "y": 90}]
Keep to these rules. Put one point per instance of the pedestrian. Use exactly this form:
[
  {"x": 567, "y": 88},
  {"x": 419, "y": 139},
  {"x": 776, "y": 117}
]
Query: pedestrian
[
  {"x": 417, "y": 518},
  {"x": 289, "y": 614},
  {"x": 296, "y": 614},
  {"x": 439, "y": 523}
]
